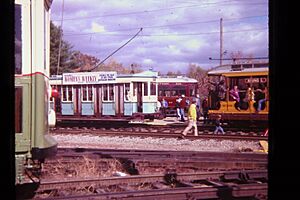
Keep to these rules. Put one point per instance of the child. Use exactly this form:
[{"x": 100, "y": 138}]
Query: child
[{"x": 218, "y": 125}]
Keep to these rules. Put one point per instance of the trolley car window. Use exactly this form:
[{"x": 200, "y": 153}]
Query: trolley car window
[
  {"x": 152, "y": 88},
  {"x": 172, "y": 90},
  {"x": 127, "y": 89},
  {"x": 108, "y": 92},
  {"x": 18, "y": 39},
  {"x": 67, "y": 93},
  {"x": 111, "y": 92},
  {"x": 18, "y": 109},
  {"x": 134, "y": 89},
  {"x": 145, "y": 89},
  {"x": 87, "y": 93},
  {"x": 105, "y": 92},
  {"x": 192, "y": 92}
]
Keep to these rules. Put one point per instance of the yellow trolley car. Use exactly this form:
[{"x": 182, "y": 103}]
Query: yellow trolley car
[{"x": 252, "y": 82}]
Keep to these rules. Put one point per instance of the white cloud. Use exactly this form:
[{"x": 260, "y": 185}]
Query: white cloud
[
  {"x": 97, "y": 28},
  {"x": 148, "y": 61},
  {"x": 192, "y": 44},
  {"x": 173, "y": 50},
  {"x": 163, "y": 43}
]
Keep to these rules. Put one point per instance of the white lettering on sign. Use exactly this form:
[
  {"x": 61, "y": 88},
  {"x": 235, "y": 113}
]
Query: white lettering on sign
[
  {"x": 89, "y": 78},
  {"x": 253, "y": 80}
]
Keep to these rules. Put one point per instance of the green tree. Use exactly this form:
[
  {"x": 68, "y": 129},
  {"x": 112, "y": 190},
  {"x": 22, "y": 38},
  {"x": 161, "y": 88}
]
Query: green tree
[
  {"x": 67, "y": 64},
  {"x": 113, "y": 65},
  {"x": 174, "y": 74},
  {"x": 200, "y": 75},
  {"x": 83, "y": 62}
]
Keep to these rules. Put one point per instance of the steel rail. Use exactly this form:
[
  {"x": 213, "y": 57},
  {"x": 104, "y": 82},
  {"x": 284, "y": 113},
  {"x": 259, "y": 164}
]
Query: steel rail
[
  {"x": 238, "y": 136},
  {"x": 50, "y": 185},
  {"x": 211, "y": 185}
]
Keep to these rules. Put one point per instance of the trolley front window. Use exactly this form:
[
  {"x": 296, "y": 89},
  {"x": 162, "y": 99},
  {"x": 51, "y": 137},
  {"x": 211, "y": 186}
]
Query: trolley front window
[{"x": 18, "y": 39}]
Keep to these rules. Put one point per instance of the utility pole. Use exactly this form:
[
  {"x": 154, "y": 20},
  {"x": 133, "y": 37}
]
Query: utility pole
[{"x": 221, "y": 41}]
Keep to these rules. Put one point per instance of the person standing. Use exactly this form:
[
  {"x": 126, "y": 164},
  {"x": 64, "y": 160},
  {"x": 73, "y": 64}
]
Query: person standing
[
  {"x": 249, "y": 94},
  {"x": 234, "y": 94},
  {"x": 198, "y": 106},
  {"x": 219, "y": 93},
  {"x": 205, "y": 110},
  {"x": 192, "y": 116},
  {"x": 182, "y": 106},
  {"x": 218, "y": 125},
  {"x": 177, "y": 106},
  {"x": 262, "y": 97},
  {"x": 158, "y": 106},
  {"x": 164, "y": 107}
]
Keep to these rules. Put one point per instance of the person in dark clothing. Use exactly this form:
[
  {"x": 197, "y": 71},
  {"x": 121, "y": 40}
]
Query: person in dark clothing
[
  {"x": 182, "y": 106},
  {"x": 262, "y": 94},
  {"x": 220, "y": 91},
  {"x": 218, "y": 125},
  {"x": 177, "y": 106},
  {"x": 205, "y": 110}
]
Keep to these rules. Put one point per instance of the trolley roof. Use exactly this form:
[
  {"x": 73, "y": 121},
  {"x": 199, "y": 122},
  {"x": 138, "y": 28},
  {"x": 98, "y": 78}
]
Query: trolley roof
[
  {"x": 177, "y": 79},
  {"x": 101, "y": 77},
  {"x": 241, "y": 70}
]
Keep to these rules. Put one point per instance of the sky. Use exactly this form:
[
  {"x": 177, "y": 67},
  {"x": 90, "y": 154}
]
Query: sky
[{"x": 174, "y": 34}]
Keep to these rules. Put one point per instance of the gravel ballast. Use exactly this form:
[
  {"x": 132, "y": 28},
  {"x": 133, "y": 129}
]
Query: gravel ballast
[{"x": 150, "y": 143}]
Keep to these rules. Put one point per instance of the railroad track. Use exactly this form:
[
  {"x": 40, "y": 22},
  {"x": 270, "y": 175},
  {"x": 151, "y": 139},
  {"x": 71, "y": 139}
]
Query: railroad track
[
  {"x": 204, "y": 185},
  {"x": 155, "y": 154},
  {"x": 136, "y": 162},
  {"x": 159, "y": 124},
  {"x": 160, "y": 131}
]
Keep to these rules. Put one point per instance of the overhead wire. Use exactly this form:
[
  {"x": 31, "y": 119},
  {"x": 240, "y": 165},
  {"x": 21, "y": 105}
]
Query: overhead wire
[
  {"x": 179, "y": 34},
  {"x": 162, "y": 26},
  {"x": 161, "y": 9},
  {"x": 116, "y": 50}
]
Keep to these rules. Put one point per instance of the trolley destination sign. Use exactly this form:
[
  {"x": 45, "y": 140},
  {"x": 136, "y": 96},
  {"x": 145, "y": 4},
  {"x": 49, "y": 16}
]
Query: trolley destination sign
[{"x": 89, "y": 78}]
